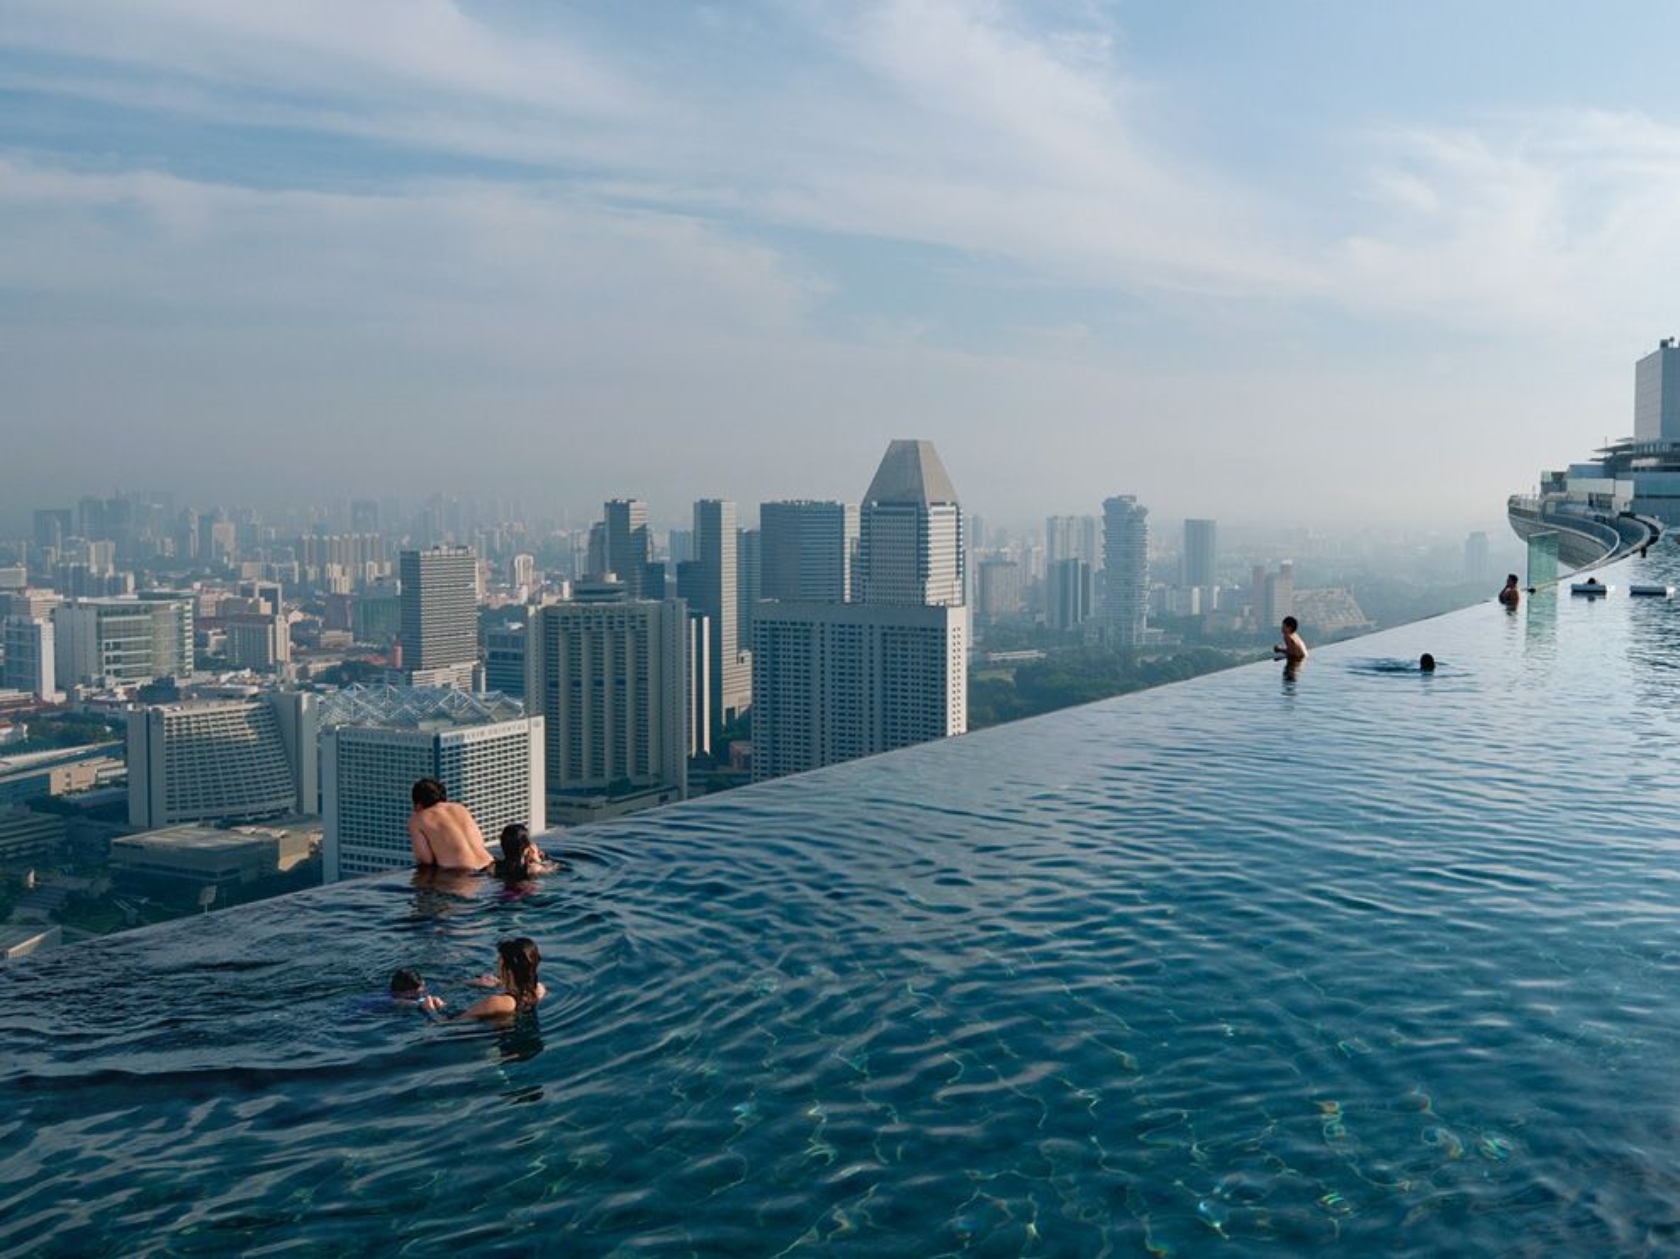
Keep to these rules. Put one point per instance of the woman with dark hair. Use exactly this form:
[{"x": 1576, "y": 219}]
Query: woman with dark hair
[
  {"x": 521, "y": 858},
  {"x": 516, "y": 970}
]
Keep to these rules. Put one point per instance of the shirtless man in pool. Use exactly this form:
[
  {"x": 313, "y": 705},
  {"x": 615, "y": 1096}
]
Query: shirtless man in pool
[{"x": 444, "y": 834}]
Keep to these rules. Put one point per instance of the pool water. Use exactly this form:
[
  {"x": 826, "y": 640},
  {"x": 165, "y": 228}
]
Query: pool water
[{"x": 1362, "y": 960}]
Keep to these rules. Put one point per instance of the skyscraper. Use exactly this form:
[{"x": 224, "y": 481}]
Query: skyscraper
[
  {"x": 910, "y": 543},
  {"x": 749, "y": 576},
  {"x": 440, "y": 615},
  {"x": 626, "y": 542},
  {"x": 1126, "y": 562},
  {"x": 611, "y": 683},
  {"x": 218, "y": 760},
  {"x": 1073, "y": 537},
  {"x": 1067, "y": 593},
  {"x": 30, "y": 664},
  {"x": 1201, "y": 553},
  {"x": 806, "y": 550},
  {"x": 123, "y": 641},
  {"x": 376, "y": 741},
  {"x": 834, "y": 681},
  {"x": 1656, "y": 394},
  {"x": 712, "y": 592}
]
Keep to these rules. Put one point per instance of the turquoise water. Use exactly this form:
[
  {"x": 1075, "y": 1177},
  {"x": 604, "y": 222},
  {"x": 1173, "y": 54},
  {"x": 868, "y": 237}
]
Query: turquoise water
[{"x": 1362, "y": 961}]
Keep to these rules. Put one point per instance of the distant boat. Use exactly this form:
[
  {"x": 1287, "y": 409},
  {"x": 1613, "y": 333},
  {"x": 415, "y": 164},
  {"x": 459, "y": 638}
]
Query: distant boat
[{"x": 1652, "y": 592}]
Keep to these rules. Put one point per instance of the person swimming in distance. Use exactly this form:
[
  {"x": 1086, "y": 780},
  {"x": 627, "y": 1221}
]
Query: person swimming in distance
[
  {"x": 517, "y": 961},
  {"x": 1292, "y": 649},
  {"x": 521, "y": 858},
  {"x": 1511, "y": 595},
  {"x": 444, "y": 834},
  {"x": 1426, "y": 663}
]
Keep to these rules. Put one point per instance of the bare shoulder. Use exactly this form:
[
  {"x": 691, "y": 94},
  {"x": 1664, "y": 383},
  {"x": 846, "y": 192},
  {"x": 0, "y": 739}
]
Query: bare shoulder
[{"x": 497, "y": 1006}]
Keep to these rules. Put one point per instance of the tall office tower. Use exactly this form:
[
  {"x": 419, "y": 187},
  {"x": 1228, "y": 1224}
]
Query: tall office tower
[
  {"x": 716, "y": 596},
  {"x": 679, "y": 547},
  {"x": 504, "y": 659},
  {"x": 1656, "y": 394},
  {"x": 522, "y": 571},
  {"x": 834, "y": 681},
  {"x": 1067, "y": 594},
  {"x": 222, "y": 760},
  {"x": 1476, "y": 557},
  {"x": 52, "y": 526},
  {"x": 364, "y": 515},
  {"x": 377, "y": 741},
  {"x": 910, "y": 534},
  {"x": 1126, "y": 562},
  {"x": 999, "y": 588},
  {"x": 1201, "y": 553},
  {"x": 1278, "y": 594},
  {"x": 806, "y": 551},
  {"x": 1073, "y": 538},
  {"x": 124, "y": 642},
  {"x": 749, "y": 579},
  {"x": 262, "y": 643},
  {"x": 440, "y": 615},
  {"x": 626, "y": 541},
  {"x": 610, "y": 680},
  {"x": 29, "y": 664}
]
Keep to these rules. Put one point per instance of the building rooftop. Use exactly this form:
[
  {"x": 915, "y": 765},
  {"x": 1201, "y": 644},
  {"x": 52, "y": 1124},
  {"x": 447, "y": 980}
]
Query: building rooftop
[
  {"x": 911, "y": 472},
  {"x": 415, "y": 707}
]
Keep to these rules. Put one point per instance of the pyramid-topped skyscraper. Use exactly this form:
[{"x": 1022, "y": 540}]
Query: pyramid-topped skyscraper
[{"x": 910, "y": 546}]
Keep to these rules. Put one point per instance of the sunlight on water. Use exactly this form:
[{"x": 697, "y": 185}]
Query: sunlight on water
[{"x": 1369, "y": 960}]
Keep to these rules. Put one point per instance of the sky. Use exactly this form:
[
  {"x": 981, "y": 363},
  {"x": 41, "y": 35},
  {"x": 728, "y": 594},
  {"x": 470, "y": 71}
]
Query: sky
[{"x": 1303, "y": 261}]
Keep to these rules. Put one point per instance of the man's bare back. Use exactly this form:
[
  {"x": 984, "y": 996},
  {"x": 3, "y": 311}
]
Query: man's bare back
[{"x": 445, "y": 835}]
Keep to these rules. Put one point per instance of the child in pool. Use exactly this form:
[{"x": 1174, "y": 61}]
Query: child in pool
[
  {"x": 516, "y": 971},
  {"x": 521, "y": 858},
  {"x": 408, "y": 990}
]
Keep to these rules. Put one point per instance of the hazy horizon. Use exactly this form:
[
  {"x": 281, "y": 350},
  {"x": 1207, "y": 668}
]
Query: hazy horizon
[{"x": 1290, "y": 264}]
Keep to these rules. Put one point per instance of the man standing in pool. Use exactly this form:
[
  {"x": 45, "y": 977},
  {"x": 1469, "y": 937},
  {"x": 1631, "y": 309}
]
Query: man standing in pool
[
  {"x": 1292, "y": 649},
  {"x": 1512, "y": 594},
  {"x": 444, "y": 834}
]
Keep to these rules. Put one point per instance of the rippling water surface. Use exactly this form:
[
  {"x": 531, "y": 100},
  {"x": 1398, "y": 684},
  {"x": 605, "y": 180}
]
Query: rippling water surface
[{"x": 1367, "y": 960}]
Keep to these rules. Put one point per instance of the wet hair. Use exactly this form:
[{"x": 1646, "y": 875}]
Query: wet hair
[
  {"x": 427, "y": 792},
  {"x": 1291, "y": 624},
  {"x": 516, "y": 846},
  {"x": 520, "y": 959},
  {"x": 406, "y": 982},
  {"x": 1426, "y": 662},
  {"x": 1511, "y": 579}
]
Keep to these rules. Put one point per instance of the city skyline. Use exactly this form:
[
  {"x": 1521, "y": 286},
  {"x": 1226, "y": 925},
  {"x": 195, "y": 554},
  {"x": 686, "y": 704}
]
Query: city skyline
[{"x": 731, "y": 254}]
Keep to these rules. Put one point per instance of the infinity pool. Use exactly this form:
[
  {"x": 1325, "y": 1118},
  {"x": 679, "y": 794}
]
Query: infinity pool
[{"x": 1362, "y": 961}]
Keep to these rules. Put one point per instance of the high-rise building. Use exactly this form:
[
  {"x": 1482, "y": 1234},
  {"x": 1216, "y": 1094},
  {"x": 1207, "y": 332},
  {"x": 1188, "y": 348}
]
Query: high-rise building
[
  {"x": 261, "y": 643},
  {"x": 504, "y": 659},
  {"x": 1201, "y": 553},
  {"x": 29, "y": 663},
  {"x": 712, "y": 592},
  {"x": 221, "y": 760},
  {"x": 1274, "y": 594},
  {"x": 749, "y": 576},
  {"x": 611, "y": 682},
  {"x": 377, "y": 741},
  {"x": 1126, "y": 565},
  {"x": 807, "y": 551},
  {"x": 123, "y": 642},
  {"x": 911, "y": 543},
  {"x": 1073, "y": 538},
  {"x": 1067, "y": 593},
  {"x": 440, "y": 615},
  {"x": 626, "y": 543},
  {"x": 834, "y": 681},
  {"x": 999, "y": 588},
  {"x": 679, "y": 547},
  {"x": 1656, "y": 394}
]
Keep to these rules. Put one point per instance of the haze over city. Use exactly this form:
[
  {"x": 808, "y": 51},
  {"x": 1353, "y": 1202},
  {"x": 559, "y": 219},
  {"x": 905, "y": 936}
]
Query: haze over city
[{"x": 1289, "y": 263}]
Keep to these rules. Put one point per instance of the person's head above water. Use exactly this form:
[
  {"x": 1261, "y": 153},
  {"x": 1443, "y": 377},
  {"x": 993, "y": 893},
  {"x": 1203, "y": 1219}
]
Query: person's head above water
[
  {"x": 1426, "y": 662},
  {"x": 1290, "y": 625},
  {"x": 407, "y": 983},
  {"x": 516, "y": 845},
  {"x": 427, "y": 792},
  {"x": 1511, "y": 579},
  {"x": 517, "y": 961}
]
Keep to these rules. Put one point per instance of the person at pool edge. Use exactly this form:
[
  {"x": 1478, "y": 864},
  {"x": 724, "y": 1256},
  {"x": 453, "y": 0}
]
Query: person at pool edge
[
  {"x": 1512, "y": 594},
  {"x": 442, "y": 833},
  {"x": 1292, "y": 649}
]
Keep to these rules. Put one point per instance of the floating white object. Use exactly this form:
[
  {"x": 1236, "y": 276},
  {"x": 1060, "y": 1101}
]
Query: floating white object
[
  {"x": 1589, "y": 588},
  {"x": 1653, "y": 592}
]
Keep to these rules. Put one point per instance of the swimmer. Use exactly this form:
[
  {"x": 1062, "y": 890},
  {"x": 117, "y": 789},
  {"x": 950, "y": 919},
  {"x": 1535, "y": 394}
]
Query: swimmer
[
  {"x": 1426, "y": 663},
  {"x": 444, "y": 834},
  {"x": 521, "y": 858},
  {"x": 1292, "y": 649},
  {"x": 1512, "y": 594},
  {"x": 516, "y": 972},
  {"x": 409, "y": 989}
]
